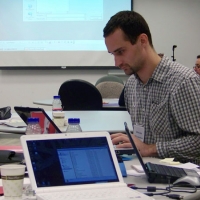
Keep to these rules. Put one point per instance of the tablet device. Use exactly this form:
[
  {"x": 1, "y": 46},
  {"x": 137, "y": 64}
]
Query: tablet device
[{"x": 46, "y": 123}]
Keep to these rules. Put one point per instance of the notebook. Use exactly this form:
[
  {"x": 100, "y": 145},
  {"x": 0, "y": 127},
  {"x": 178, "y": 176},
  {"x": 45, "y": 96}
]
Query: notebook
[
  {"x": 159, "y": 173},
  {"x": 73, "y": 165},
  {"x": 46, "y": 123}
]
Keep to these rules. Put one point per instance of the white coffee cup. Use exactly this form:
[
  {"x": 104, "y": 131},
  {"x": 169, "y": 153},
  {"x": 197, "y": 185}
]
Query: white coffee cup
[{"x": 12, "y": 176}]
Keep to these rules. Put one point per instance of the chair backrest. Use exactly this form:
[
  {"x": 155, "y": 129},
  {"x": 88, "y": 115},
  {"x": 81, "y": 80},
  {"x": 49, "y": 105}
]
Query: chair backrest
[
  {"x": 111, "y": 78},
  {"x": 110, "y": 89},
  {"x": 79, "y": 95}
]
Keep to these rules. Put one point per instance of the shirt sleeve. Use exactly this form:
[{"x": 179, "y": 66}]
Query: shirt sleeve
[{"x": 185, "y": 109}]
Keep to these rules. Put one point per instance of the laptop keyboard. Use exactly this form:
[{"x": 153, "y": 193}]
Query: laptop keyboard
[
  {"x": 167, "y": 170},
  {"x": 97, "y": 194}
]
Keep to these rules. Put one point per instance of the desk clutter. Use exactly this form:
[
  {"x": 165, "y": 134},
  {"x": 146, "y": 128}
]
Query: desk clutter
[
  {"x": 28, "y": 193},
  {"x": 56, "y": 125},
  {"x": 5, "y": 113}
]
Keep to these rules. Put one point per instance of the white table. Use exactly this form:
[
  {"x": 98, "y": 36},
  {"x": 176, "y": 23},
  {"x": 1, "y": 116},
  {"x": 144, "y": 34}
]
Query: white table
[
  {"x": 108, "y": 103},
  {"x": 45, "y": 102},
  {"x": 111, "y": 121}
]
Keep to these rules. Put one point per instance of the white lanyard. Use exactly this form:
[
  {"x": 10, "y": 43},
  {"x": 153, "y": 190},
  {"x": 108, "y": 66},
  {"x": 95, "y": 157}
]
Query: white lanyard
[
  {"x": 139, "y": 128},
  {"x": 135, "y": 105}
]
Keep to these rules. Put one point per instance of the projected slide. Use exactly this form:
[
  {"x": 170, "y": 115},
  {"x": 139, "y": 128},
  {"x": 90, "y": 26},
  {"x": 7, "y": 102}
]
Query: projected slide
[
  {"x": 64, "y": 10},
  {"x": 49, "y": 32}
]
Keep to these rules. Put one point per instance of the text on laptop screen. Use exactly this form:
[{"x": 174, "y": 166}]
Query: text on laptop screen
[{"x": 59, "y": 162}]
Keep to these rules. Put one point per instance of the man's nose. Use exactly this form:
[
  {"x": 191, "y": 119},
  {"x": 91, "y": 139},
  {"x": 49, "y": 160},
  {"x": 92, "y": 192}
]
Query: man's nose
[{"x": 118, "y": 62}]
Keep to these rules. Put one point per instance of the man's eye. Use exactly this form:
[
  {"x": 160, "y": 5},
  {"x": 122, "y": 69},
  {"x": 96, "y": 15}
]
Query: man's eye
[{"x": 120, "y": 52}]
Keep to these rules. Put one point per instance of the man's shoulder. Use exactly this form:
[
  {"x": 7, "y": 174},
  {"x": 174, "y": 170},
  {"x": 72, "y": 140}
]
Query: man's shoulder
[
  {"x": 175, "y": 68},
  {"x": 174, "y": 71},
  {"x": 181, "y": 73},
  {"x": 180, "y": 77}
]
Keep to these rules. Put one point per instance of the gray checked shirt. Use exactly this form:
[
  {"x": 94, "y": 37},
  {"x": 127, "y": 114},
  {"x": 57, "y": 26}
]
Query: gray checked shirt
[{"x": 168, "y": 107}]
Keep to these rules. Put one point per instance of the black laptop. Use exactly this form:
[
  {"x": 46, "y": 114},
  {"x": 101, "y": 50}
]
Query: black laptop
[
  {"x": 160, "y": 173},
  {"x": 46, "y": 123}
]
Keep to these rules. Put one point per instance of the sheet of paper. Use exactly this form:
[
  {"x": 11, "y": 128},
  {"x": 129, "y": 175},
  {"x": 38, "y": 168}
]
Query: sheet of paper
[
  {"x": 188, "y": 165},
  {"x": 138, "y": 168},
  {"x": 132, "y": 172},
  {"x": 11, "y": 121},
  {"x": 167, "y": 160},
  {"x": 16, "y": 124}
]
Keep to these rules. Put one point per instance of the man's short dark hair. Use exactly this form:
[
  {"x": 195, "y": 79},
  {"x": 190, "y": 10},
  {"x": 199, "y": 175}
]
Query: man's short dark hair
[
  {"x": 198, "y": 56},
  {"x": 131, "y": 23}
]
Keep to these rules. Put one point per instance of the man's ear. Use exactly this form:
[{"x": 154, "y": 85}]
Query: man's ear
[{"x": 143, "y": 39}]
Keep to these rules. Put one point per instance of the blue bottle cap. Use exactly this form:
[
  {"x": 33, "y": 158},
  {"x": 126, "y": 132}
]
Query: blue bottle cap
[
  {"x": 77, "y": 120},
  {"x": 33, "y": 119},
  {"x": 74, "y": 120},
  {"x": 56, "y": 97}
]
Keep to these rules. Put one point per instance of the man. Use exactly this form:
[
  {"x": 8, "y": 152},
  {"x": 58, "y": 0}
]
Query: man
[
  {"x": 161, "y": 96},
  {"x": 197, "y": 65}
]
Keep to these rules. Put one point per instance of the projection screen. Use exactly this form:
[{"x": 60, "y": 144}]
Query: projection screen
[{"x": 55, "y": 33}]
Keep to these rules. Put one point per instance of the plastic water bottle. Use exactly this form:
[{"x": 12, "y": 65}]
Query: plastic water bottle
[
  {"x": 33, "y": 126},
  {"x": 56, "y": 105},
  {"x": 73, "y": 125}
]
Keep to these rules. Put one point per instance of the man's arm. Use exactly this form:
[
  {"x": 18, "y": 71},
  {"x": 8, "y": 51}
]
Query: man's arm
[
  {"x": 122, "y": 141},
  {"x": 185, "y": 110}
]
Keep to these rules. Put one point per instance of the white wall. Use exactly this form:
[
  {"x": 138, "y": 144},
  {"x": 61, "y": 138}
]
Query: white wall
[
  {"x": 23, "y": 86},
  {"x": 172, "y": 22}
]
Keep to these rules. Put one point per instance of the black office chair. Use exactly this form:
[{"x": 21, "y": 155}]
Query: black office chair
[{"x": 79, "y": 95}]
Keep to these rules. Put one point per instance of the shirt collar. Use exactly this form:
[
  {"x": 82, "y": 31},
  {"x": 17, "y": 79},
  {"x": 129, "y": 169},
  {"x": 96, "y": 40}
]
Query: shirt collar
[{"x": 160, "y": 71}]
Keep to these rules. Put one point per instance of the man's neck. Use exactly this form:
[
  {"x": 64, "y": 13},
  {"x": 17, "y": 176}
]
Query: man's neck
[{"x": 151, "y": 62}]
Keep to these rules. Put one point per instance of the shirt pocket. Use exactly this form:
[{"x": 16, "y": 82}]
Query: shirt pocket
[{"x": 159, "y": 120}]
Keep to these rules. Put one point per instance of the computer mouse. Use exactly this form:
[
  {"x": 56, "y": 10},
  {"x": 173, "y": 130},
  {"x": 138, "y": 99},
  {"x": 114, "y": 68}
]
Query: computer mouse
[{"x": 191, "y": 180}]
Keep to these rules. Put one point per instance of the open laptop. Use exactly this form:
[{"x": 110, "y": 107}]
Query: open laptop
[
  {"x": 46, "y": 123},
  {"x": 159, "y": 173},
  {"x": 75, "y": 165}
]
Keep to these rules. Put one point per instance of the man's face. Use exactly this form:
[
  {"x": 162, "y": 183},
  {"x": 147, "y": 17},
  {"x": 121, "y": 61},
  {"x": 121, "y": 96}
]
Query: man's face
[
  {"x": 128, "y": 57},
  {"x": 197, "y": 66}
]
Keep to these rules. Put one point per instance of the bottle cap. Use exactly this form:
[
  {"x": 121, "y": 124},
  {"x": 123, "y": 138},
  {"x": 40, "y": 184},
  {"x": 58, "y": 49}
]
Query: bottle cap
[
  {"x": 56, "y": 97},
  {"x": 77, "y": 120},
  {"x": 74, "y": 120},
  {"x": 33, "y": 119}
]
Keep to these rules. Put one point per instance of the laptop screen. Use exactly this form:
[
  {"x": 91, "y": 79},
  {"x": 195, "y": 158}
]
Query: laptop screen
[{"x": 70, "y": 161}]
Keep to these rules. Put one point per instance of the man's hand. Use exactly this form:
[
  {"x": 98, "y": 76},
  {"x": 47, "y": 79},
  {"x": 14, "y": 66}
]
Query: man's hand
[{"x": 122, "y": 141}]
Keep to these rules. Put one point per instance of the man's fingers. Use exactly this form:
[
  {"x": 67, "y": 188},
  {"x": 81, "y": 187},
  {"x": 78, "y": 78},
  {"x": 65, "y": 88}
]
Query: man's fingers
[
  {"x": 120, "y": 139},
  {"x": 116, "y": 135},
  {"x": 124, "y": 145}
]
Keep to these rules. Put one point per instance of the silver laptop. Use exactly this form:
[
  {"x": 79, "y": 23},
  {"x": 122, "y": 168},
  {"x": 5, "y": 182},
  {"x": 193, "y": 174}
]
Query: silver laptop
[{"x": 75, "y": 166}]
